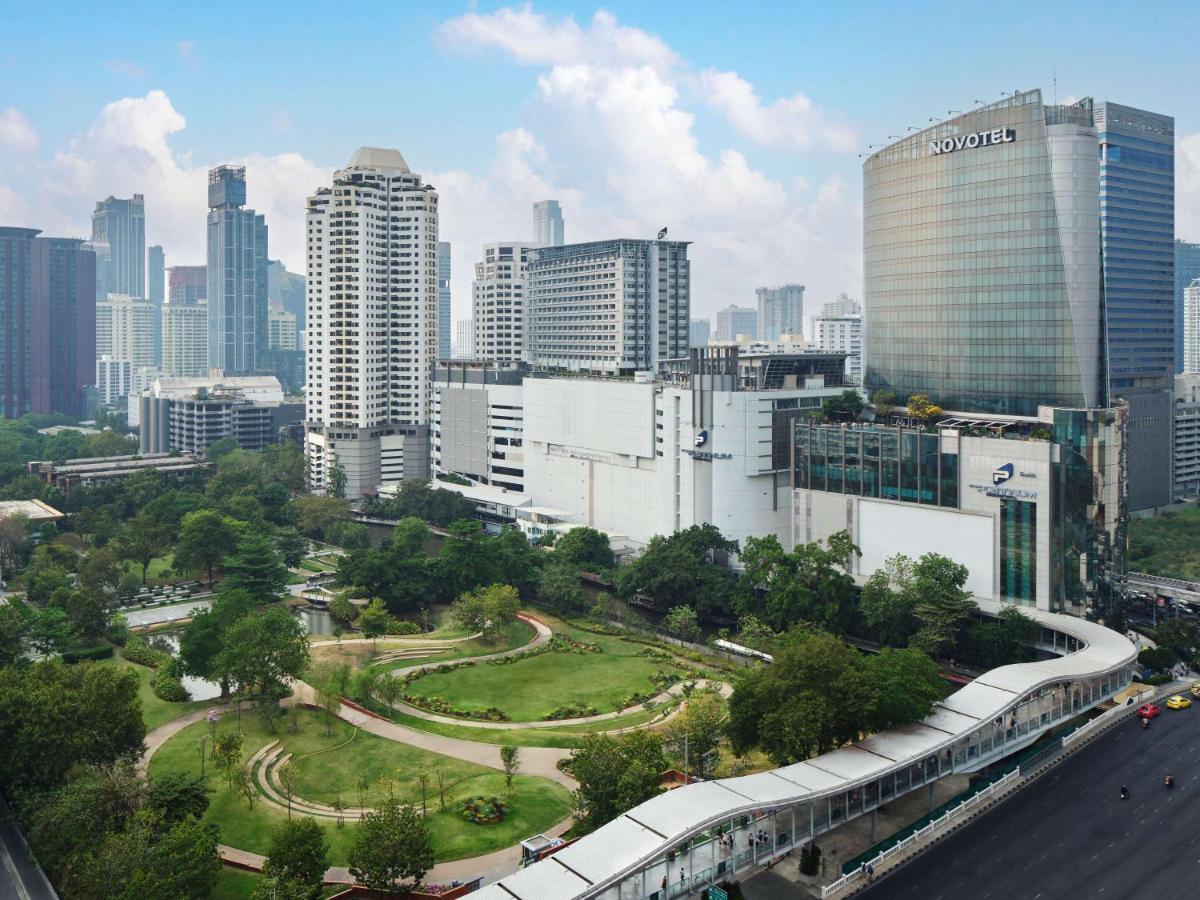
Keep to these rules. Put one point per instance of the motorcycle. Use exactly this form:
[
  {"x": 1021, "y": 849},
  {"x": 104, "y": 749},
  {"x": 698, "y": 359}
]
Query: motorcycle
[
  {"x": 1169, "y": 781},
  {"x": 1124, "y": 792}
]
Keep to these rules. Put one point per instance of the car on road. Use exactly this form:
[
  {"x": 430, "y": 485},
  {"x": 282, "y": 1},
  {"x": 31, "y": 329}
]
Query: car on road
[
  {"x": 1149, "y": 710},
  {"x": 1196, "y": 689},
  {"x": 1178, "y": 702}
]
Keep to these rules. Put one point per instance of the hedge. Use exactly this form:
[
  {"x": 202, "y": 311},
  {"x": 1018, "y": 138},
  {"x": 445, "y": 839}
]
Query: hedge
[{"x": 103, "y": 651}]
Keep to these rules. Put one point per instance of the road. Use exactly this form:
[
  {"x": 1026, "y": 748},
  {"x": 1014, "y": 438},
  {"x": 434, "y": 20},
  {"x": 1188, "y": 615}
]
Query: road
[
  {"x": 19, "y": 877},
  {"x": 155, "y": 615},
  {"x": 1069, "y": 835}
]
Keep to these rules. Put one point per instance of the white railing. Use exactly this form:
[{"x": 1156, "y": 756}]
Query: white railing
[
  {"x": 1105, "y": 718},
  {"x": 948, "y": 818}
]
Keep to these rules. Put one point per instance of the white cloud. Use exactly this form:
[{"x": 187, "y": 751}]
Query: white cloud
[
  {"x": 129, "y": 149},
  {"x": 1187, "y": 187},
  {"x": 612, "y": 122},
  {"x": 788, "y": 122},
  {"x": 17, "y": 132}
]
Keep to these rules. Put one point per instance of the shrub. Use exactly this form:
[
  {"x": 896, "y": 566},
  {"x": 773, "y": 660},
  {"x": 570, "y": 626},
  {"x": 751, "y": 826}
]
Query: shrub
[
  {"x": 169, "y": 688},
  {"x": 104, "y": 651},
  {"x": 810, "y": 859},
  {"x": 570, "y": 712},
  {"x": 136, "y": 650},
  {"x": 483, "y": 810},
  {"x": 405, "y": 627}
]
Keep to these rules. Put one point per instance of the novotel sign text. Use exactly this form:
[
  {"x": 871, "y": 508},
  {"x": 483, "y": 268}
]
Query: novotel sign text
[{"x": 973, "y": 140}]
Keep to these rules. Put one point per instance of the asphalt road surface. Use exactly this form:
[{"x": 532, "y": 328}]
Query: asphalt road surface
[{"x": 1069, "y": 835}]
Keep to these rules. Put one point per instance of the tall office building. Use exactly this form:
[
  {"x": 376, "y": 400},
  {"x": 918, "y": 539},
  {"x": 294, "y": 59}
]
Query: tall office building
[
  {"x": 841, "y": 334},
  {"x": 780, "y": 311},
  {"x": 281, "y": 328},
  {"x": 1137, "y": 228},
  {"x": 187, "y": 284},
  {"x": 1191, "y": 328},
  {"x": 735, "y": 320},
  {"x": 464, "y": 339},
  {"x": 125, "y": 329},
  {"x": 1187, "y": 270},
  {"x": 185, "y": 338},
  {"x": 104, "y": 277},
  {"x": 981, "y": 259},
  {"x": 47, "y": 323},
  {"x": 498, "y": 302},
  {"x": 613, "y": 307},
  {"x": 121, "y": 224},
  {"x": 699, "y": 331},
  {"x": 155, "y": 271},
  {"x": 237, "y": 275},
  {"x": 372, "y": 323},
  {"x": 548, "y": 227},
  {"x": 444, "y": 349}
]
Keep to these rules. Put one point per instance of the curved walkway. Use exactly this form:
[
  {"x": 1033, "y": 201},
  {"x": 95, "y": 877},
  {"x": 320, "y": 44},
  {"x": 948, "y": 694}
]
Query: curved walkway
[{"x": 542, "y": 637}]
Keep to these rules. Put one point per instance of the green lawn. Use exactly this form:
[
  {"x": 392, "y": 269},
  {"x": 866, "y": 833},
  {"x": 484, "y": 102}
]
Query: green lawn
[
  {"x": 537, "y": 803},
  {"x": 159, "y": 571},
  {"x": 235, "y": 884},
  {"x": 529, "y": 689},
  {"x": 1167, "y": 545},
  {"x": 155, "y": 712}
]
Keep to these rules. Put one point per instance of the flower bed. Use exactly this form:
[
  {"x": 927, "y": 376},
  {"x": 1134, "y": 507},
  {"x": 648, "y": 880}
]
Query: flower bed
[
  {"x": 483, "y": 810},
  {"x": 570, "y": 712},
  {"x": 441, "y": 707}
]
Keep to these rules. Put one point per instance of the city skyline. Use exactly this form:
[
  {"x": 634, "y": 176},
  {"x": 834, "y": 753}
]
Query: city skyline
[{"x": 756, "y": 165}]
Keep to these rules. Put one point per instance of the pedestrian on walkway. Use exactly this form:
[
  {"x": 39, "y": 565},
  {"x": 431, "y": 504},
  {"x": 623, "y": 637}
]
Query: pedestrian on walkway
[{"x": 870, "y": 873}]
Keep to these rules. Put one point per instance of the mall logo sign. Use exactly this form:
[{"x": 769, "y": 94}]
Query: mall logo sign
[
  {"x": 1002, "y": 474},
  {"x": 973, "y": 140}
]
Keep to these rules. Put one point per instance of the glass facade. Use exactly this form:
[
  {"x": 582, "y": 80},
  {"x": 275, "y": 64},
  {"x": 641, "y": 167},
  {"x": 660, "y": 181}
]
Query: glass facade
[
  {"x": 1187, "y": 268},
  {"x": 981, "y": 261},
  {"x": 1018, "y": 550},
  {"x": 868, "y": 461}
]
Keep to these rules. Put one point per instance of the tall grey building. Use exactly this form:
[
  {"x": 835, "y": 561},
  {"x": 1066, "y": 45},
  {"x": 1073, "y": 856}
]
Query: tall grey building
[
  {"x": 237, "y": 275},
  {"x": 548, "y": 227},
  {"x": 285, "y": 290},
  {"x": 780, "y": 311},
  {"x": 735, "y": 320},
  {"x": 444, "y": 349},
  {"x": 1187, "y": 270},
  {"x": 121, "y": 224},
  {"x": 156, "y": 274},
  {"x": 498, "y": 302},
  {"x": 611, "y": 307},
  {"x": 372, "y": 323},
  {"x": 981, "y": 255},
  {"x": 699, "y": 331},
  {"x": 1137, "y": 230}
]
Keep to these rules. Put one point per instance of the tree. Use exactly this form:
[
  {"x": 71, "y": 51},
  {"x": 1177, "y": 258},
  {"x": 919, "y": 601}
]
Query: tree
[
  {"x": 227, "y": 756},
  {"x": 264, "y": 651},
  {"x": 342, "y": 610},
  {"x": 809, "y": 584},
  {"x": 13, "y": 634},
  {"x": 944, "y": 607},
  {"x": 701, "y": 724},
  {"x": 176, "y": 796},
  {"x": 679, "y": 570},
  {"x": 205, "y": 538},
  {"x": 201, "y": 643},
  {"x": 615, "y": 775},
  {"x": 337, "y": 478},
  {"x": 299, "y": 852},
  {"x": 141, "y": 539},
  {"x": 509, "y": 757},
  {"x": 390, "y": 846},
  {"x": 846, "y": 406},
  {"x": 558, "y": 586},
  {"x": 219, "y": 449},
  {"x": 922, "y": 410},
  {"x": 49, "y": 630},
  {"x": 54, "y": 717},
  {"x": 907, "y": 685},
  {"x": 315, "y": 515},
  {"x": 14, "y": 542},
  {"x": 257, "y": 568},
  {"x": 681, "y": 621},
  {"x": 585, "y": 548},
  {"x": 885, "y": 404},
  {"x": 375, "y": 620},
  {"x": 291, "y": 545},
  {"x": 887, "y": 602},
  {"x": 148, "y": 860},
  {"x": 463, "y": 562}
]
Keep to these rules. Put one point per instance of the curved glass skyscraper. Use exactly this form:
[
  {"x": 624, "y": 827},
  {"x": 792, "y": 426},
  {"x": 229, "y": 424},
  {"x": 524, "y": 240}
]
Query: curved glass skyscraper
[{"x": 982, "y": 261}]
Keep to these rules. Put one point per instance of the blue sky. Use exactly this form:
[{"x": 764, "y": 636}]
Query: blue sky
[{"x": 738, "y": 126}]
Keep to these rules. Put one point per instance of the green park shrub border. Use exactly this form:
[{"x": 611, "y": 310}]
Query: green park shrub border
[
  {"x": 80, "y": 654},
  {"x": 136, "y": 650}
]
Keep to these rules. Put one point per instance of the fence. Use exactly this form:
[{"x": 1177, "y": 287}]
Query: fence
[
  {"x": 949, "y": 818},
  {"x": 1103, "y": 720}
]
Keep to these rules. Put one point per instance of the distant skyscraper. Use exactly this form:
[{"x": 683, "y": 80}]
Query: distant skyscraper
[
  {"x": 187, "y": 284},
  {"x": 498, "y": 303},
  {"x": 285, "y": 290},
  {"x": 155, "y": 262},
  {"x": 612, "y": 307},
  {"x": 444, "y": 335},
  {"x": 780, "y": 311},
  {"x": 548, "y": 227},
  {"x": 1137, "y": 228},
  {"x": 282, "y": 330},
  {"x": 372, "y": 323},
  {"x": 47, "y": 323},
  {"x": 464, "y": 339},
  {"x": 842, "y": 334},
  {"x": 104, "y": 274},
  {"x": 1187, "y": 270},
  {"x": 842, "y": 306},
  {"x": 1191, "y": 328},
  {"x": 125, "y": 329},
  {"x": 699, "y": 331},
  {"x": 237, "y": 275},
  {"x": 122, "y": 225},
  {"x": 735, "y": 320},
  {"x": 185, "y": 337}
]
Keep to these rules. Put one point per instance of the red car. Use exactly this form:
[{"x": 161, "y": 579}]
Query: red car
[{"x": 1149, "y": 710}]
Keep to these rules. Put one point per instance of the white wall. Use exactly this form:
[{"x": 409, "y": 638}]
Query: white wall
[
  {"x": 605, "y": 416},
  {"x": 886, "y": 529}
]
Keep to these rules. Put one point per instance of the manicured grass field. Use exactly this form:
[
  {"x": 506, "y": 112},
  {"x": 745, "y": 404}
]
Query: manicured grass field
[
  {"x": 529, "y": 689},
  {"x": 159, "y": 571},
  {"x": 536, "y": 804}
]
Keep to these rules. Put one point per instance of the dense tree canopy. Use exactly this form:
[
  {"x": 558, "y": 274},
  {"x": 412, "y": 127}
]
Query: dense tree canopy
[
  {"x": 809, "y": 584},
  {"x": 944, "y": 606},
  {"x": 391, "y": 847},
  {"x": 585, "y": 548},
  {"x": 615, "y": 775},
  {"x": 679, "y": 570}
]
